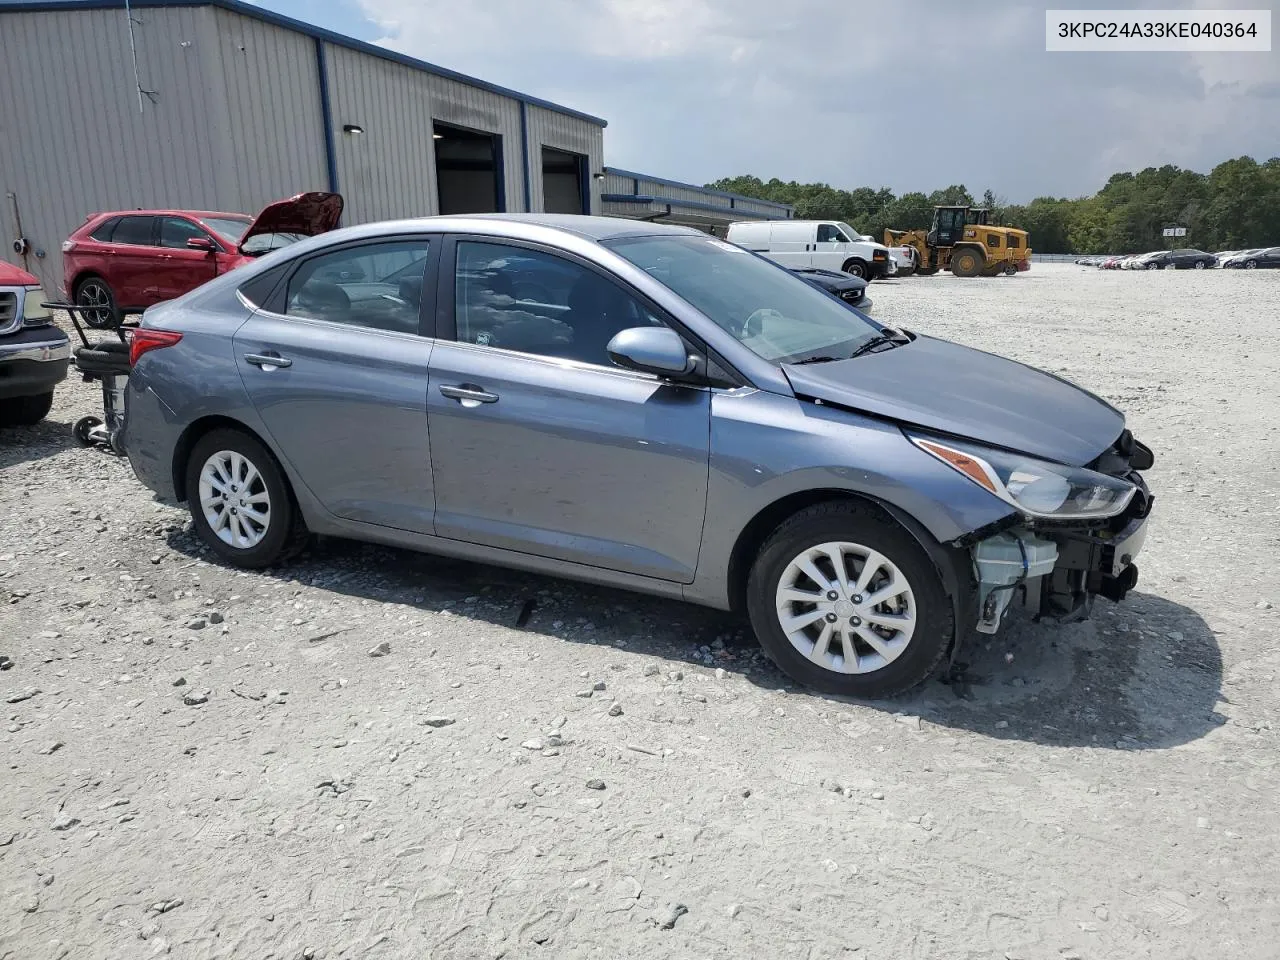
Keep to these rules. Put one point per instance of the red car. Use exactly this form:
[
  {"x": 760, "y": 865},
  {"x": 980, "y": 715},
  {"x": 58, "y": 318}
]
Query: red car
[{"x": 124, "y": 261}]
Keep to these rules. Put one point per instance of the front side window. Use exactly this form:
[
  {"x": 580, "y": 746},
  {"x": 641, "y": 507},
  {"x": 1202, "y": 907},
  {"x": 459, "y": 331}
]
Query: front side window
[
  {"x": 520, "y": 299},
  {"x": 176, "y": 231},
  {"x": 827, "y": 233},
  {"x": 773, "y": 312},
  {"x": 134, "y": 230},
  {"x": 375, "y": 285}
]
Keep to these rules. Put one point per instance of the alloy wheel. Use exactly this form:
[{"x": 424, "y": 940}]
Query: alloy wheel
[
  {"x": 234, "y": 499},
  {"x": 846, "y": 607},
  {"x": 93, "y": 293}
]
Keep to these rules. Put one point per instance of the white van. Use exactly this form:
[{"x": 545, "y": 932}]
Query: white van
[{"x": 827, "y": 244}]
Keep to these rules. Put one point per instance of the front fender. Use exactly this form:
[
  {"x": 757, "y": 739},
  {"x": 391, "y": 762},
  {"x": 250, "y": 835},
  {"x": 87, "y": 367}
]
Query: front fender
[{"x": 766, "y": 448}]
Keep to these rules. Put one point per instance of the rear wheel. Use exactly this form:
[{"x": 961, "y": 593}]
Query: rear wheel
[
  {"x": 1251, "y": 264},
  {"x": 1010, "y": 270},
  {"x": 94, "y": 292},
  {"x": 25, "y": 411},
  {"x": 857, "y": 268},
  {"x": 240, "y": 501},
  {"x": 845, "y": 601},
  {"x": 966, "y": 262}
]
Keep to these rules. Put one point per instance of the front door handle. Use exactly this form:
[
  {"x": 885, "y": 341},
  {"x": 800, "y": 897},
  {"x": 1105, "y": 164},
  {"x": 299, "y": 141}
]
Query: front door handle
[
  {"x": 267, "y": 361},
  {"x": 468, "y": 394}
]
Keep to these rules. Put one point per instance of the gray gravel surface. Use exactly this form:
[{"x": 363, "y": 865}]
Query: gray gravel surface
[{"x": 265, "y": 787}]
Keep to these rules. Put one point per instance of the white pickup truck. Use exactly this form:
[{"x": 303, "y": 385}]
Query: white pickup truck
[{"x": 825, "y": 244}]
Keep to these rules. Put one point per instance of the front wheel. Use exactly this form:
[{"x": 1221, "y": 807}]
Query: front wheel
[
  {"x": 1201, "y": 264},
  {"x": 966, "y": 263},
  {"x": 1251, "y": 264},
  {"x": 857, "y": 268},
  {"x": 25, "y": 411},
  {"x": 240, "y": 501},
  {"x": 95, "y": 293},
  {"x": 845, "y": 601}
]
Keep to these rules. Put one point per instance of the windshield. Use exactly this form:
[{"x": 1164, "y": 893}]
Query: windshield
[
  {"x": 775, "y": 314},
  {"x": 261, "y": 243},
  {"x": 230, "y": 229},
  {"x": 849, "y": 232}
]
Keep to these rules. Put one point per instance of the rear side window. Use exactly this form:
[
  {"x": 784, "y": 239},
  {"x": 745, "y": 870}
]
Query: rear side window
[
  {"x": 260, "y": 289},
  {"x": 375, "y": 285},
  {"x": 134, "y": 230},
  {"x": 105, "y": 230},
  {"x": 1014, "y": 240},
  {"x": 993, "y": 240}
]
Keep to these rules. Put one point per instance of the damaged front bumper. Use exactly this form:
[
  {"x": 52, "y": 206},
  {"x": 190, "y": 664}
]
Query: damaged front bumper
[{"x": 1056, "y": 569}]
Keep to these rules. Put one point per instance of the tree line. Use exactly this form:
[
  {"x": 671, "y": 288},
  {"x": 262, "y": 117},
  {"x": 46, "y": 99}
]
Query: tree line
[{"x": 1234, "y": 206}]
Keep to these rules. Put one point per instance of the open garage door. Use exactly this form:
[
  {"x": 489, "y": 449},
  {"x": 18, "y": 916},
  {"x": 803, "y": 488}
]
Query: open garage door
[
  {"x": 468, "y": 170},
  {"x": 564, "y": 180}
]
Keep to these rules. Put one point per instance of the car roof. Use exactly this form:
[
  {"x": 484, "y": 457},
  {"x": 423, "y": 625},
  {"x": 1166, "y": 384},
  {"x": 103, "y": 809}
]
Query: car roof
[
  {"x": 594, "y": 228},
  {"x": 198, "y": 214}
]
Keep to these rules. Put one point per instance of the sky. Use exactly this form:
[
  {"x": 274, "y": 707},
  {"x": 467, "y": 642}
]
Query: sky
[{"x": 912, "y": 95}]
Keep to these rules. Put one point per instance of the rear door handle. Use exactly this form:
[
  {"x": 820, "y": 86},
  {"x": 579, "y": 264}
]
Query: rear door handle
[
  {"x": 267, "y": 361},
  {"x": 468, "y": 394}
]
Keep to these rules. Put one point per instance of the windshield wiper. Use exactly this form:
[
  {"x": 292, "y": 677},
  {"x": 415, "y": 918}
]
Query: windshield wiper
[
  {"x": 816, "y": 360},
  {"x": 878, "y": 341}
]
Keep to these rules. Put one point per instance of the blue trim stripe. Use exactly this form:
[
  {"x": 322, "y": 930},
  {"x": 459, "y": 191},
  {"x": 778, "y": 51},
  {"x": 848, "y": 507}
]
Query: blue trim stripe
[
  {"x": 693, "y": 186},
  {"x": 299, "y": 26},
  {"x": 326, "y": 117},
  {"x": 524, "y": 147}
]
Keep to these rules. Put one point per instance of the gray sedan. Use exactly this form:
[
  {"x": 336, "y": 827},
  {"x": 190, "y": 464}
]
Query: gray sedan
[{"x": 643, "y": 406}]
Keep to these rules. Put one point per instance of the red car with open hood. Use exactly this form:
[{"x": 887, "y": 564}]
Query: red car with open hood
[{"x": 126, "y": 260}]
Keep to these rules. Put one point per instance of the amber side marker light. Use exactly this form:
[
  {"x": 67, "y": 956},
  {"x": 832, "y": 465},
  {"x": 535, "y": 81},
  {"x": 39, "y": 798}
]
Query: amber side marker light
[{"x": 970, "y": 467}]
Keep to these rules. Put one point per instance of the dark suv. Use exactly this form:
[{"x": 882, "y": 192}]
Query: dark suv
[{"x": 1182, "y": 260}]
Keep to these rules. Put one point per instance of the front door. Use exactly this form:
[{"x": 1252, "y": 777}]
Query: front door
[
  {"x": 538, "y": 443},
  {"x": 949, "y": 226},
  {"x": 338, "y": 371},
  {"x": 179, "y": 269}
]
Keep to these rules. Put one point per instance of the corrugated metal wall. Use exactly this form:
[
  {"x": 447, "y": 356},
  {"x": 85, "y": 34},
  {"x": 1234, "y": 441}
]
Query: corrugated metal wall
[
  {"x": 389, "y": 171},
  {"x": 234, "y": 121},
  {"x": 563, "y": 132},
  {"x": 272, "y": 84},
  {"x": 72, "y": 140}
]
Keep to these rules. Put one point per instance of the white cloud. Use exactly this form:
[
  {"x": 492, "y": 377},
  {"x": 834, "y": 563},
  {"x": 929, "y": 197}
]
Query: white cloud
[{"x": 913, "y": 96}]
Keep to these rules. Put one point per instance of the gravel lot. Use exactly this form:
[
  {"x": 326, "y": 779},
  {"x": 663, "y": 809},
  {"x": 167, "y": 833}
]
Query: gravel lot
[{"x": 208, "y": 763}]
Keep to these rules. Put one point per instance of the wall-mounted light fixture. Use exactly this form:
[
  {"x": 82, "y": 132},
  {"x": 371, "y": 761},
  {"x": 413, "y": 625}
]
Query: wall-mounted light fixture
[
  {"x": 437, "y": 136},
  {"x": 352, "y": 128},
  {"x": 597, "y": 176}
]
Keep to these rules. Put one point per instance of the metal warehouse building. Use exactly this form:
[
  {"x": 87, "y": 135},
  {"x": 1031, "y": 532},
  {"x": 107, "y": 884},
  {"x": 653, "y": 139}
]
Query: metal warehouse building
[{"x": 221, "y": 105}]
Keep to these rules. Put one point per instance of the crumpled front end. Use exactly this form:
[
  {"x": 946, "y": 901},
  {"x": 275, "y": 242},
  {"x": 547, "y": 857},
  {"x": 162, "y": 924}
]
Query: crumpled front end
[{"x": 1055, "y": 568}]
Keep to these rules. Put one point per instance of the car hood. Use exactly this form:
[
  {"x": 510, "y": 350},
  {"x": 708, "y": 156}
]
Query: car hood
[
  {"x": 967, "y": 393},
  {"x": 11, "y": 276},
  {"x": 307, "y": 213}
]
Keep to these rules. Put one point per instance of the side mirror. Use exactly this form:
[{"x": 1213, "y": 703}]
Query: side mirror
[
  {"x": 657, "y": 350},
  {"x": 200, "y": 243}
]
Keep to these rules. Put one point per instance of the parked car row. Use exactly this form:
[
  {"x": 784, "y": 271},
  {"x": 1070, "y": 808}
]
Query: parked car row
[{"x": 1188, "y": 259}]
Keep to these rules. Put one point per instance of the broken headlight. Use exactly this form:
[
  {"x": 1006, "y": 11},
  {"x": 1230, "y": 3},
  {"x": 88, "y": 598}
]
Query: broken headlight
[{"x": 1035, "y": 487}]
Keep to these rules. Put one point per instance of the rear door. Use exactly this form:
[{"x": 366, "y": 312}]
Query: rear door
[
  {"x": 133, "y": 261},
  {"x": 336, "y": 366},
  {"x": 178, "y": 268},
  {"x": 538, "y": 443}
]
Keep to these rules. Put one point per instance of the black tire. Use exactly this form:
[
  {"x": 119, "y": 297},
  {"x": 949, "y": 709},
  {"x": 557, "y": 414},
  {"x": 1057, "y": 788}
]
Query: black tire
[
  {"x": 106, "y": 357},
  {"x": 1251, "y": 264},
  {"x": 860, "y": 524},
  {"x": 857, "y": 268},
  {"x": 285, "y": 534},
  {"x": 966, "y": 262},
  {"x": 25, "y": 411},
  {"x": 96, "y": 292},
  {"x": 1010, "y": 270},
  {"x": 1201, "y": 264},
  {"x": 82, "y": 428}
]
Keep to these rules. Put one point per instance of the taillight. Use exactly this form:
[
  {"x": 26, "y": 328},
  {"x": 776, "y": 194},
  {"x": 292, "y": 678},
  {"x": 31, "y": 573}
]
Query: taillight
[{"x": 143, "y": 340}]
